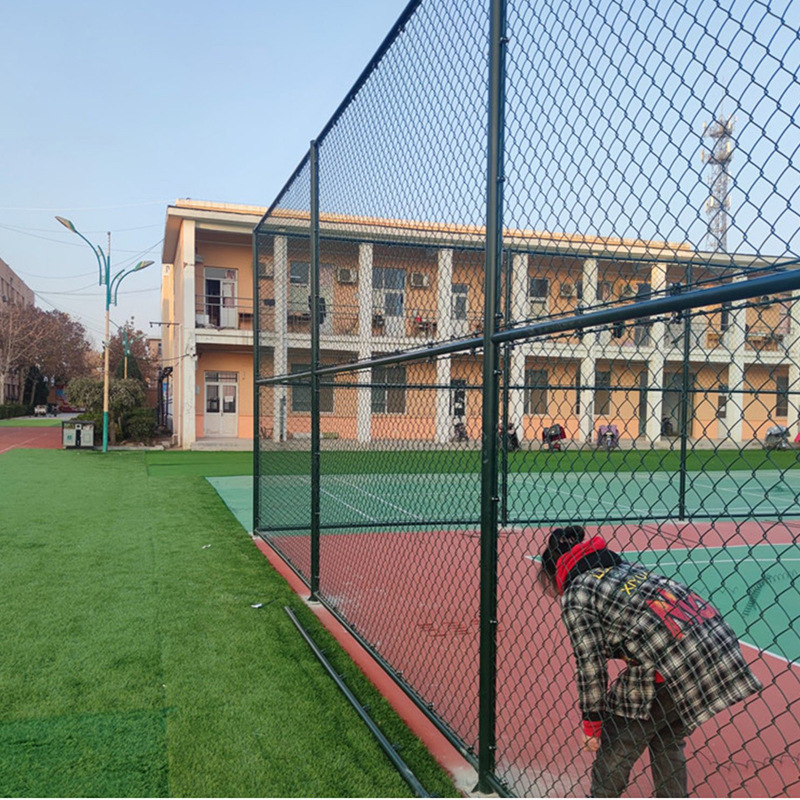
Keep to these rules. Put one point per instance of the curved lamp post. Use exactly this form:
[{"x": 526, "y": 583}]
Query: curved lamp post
[{"x": 112, "y": 286}]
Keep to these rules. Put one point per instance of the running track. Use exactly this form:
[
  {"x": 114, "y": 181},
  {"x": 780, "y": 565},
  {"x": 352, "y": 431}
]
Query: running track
[{"x": 39, "y": 438}]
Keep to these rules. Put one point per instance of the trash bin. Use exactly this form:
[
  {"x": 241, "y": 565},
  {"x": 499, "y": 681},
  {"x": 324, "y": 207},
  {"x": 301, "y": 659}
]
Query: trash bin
[{"x": 77, "y": 434}]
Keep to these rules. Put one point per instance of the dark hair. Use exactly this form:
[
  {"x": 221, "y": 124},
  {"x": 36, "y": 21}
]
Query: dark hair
[{"x": 560, "y": 541}]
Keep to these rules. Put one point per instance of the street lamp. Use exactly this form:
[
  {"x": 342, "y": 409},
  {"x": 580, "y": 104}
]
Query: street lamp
[{"x": 112, "y": 286}]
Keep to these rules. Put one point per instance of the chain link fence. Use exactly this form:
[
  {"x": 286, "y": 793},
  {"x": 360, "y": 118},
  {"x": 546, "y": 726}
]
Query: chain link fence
[{"x": 540, "y": 270}]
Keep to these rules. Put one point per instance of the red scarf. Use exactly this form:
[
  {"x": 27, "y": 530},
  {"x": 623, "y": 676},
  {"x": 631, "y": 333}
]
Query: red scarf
[{"x": 571, "y": 558}]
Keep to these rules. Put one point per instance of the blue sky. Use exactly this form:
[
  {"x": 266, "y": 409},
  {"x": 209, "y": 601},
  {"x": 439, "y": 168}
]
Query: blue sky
[{"x": 112, "y": 110}]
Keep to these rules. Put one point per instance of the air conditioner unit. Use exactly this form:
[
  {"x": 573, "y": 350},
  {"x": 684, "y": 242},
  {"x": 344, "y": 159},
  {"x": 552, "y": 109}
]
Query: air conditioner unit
[
  {"x": 418, "y": 280},
  {"x": 567, "y": 289},
  {"x": 201, "y": 320},
  {"x": 345, "y": 275}
]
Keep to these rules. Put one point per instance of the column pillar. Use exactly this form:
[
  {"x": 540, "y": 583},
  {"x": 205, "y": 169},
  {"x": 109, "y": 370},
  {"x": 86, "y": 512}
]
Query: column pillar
[
  {"x": 281, "y": 352},
  {"x": 655, "y": 364},
  {"x": 792, "y": 343},
  {"x": 444, "y": 321},
  {"x": 188, "y": 401},
  {"x": 518, "y": 311},
  {"x": 588, "y": 363},
  {"x": 735, "y": 338},
  {"x": 364, "y": 398}
]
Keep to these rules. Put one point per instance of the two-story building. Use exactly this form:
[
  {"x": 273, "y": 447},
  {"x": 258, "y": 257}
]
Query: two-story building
[{"x": 388, "y": 285}]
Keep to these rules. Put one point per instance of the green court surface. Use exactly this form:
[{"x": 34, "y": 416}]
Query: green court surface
[
  {"x": 237, "y": 493},
  {"x": 755, "y": 586},
  {"x": 425, "y": 499}
]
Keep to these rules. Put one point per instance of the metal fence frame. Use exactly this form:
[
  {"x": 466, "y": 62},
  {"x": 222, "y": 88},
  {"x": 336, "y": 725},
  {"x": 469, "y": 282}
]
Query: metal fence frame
[{"x": 498, "y": 330}]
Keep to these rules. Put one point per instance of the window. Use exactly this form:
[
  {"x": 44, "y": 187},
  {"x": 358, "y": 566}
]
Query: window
[
  {"x": 299, "y": 273},
  {"x": 301, "y": 393},
  {"x": 722, "y": 402},
  {"x": 459, "y": 302},
  {"x": 387, "y": 400},
  {"x": 782, "y": 397},
  {"x": 539, "y": 289},
  {"x": 602, "y": 394},
  {"x": 388, "y": 286},
  {"x": 536, "y": 382}
]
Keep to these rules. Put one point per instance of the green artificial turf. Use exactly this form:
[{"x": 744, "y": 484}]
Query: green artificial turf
[
  {"x": 30, "y": 423},
  {"x": 133, "y": 663},
  {"x": 399, "y": 461}
]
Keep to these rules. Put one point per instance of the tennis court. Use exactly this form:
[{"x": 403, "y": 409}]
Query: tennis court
[
  {"x": 410, "y": 587},
  {"x": 454, "y": 499}
]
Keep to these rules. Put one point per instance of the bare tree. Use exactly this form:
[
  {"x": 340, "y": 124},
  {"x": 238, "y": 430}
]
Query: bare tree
[
  {"x": 51, "y": 341},
  {"x": 23, "y": 331}
]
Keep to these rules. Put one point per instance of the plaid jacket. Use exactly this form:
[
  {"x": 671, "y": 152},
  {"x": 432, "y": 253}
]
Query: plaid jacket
[{"x": 655, "y": 624}]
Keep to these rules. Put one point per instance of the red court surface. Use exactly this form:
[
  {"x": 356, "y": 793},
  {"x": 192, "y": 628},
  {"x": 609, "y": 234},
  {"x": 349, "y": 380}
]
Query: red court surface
[
  {"x": 39, "y": 438},
  {"x": 414, "y": 597}
]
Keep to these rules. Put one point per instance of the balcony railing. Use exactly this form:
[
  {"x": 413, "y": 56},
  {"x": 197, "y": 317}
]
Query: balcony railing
[
  {"x": 764, "y": 333},
  {"x": 224, "y": 313}
]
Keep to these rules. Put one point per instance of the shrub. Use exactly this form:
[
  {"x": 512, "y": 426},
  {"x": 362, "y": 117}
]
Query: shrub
[
  {"x": 140, "y": 424},
  {"x": 10, "y": 410}
]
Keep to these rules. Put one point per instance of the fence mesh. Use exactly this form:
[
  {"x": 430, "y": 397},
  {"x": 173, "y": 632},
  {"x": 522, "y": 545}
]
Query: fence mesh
[{"x": 649, "y": 387}]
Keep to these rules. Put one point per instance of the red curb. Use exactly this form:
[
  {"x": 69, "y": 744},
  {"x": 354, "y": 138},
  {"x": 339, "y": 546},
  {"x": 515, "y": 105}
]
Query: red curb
[{"x": 461, "y": 771}]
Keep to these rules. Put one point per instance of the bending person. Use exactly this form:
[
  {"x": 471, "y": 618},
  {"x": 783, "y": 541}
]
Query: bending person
[{"x": 683, "y": 660}]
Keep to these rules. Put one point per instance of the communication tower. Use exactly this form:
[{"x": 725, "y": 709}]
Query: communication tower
[{"x": 718, "y": 157}]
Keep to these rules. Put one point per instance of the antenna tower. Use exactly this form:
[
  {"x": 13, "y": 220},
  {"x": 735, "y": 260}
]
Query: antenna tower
[{"x": 718, "y": 156}]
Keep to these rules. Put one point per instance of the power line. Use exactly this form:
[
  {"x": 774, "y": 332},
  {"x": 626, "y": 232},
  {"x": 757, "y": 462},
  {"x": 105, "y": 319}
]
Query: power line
[{"x": 88, "y": 208}]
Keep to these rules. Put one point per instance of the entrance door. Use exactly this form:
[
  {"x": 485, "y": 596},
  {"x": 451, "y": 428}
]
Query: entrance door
[
  {"x": 220, "y": 304},
  {"x": 221, "y": 409}
]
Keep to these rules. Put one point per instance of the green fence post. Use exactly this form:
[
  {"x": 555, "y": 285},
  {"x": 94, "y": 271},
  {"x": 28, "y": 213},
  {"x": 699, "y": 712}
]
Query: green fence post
[
  {"x": 256, "y": 387},
  {"x": 487, "y": 700},
  {"x": 315, "y": 437}
]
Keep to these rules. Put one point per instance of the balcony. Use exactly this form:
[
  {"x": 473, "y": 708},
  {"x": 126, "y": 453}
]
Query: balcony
[{"x": 223, "y": 313}]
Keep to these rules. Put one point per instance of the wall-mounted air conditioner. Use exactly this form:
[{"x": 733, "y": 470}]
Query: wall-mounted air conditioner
[
  {"x": 201, "y": 320},
  {"x": 346, "y": 275},
  {"x": 418, "y": 280}
]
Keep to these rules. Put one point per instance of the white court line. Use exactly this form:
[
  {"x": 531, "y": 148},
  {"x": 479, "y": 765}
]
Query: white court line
[
  {"x": 610, "y": 504},
  {"x": 18, "y": 444},
  {"x": 382, "y": 500},
  {"x": 737, "y": 491},
  {"x": 352, "y": 508},
  {"x": 761, "y": 651},
  {"x": 724, "y": 561}
]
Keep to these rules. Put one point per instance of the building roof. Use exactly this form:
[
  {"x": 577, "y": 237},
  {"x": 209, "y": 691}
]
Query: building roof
[{"x": 247, "y": 218}]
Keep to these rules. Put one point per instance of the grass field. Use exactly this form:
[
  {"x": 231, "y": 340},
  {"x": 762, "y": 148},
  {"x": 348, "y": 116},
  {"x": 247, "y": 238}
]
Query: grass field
[
  {"x": 387, "y": 461},
  {"x": 30, "y": 423},
  {"x": 133, "y": 663}
]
